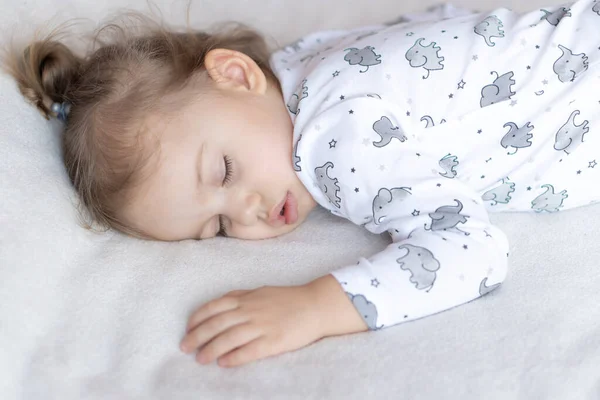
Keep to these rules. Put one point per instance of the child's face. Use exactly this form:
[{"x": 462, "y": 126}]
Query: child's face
[{"x": 186, "y": 197}]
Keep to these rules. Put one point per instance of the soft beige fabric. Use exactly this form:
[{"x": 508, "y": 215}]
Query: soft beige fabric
[{"x": 89, "y": 316}]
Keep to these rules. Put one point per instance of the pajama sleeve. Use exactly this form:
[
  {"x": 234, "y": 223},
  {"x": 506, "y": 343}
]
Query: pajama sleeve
[{"x": 444, "y": 250}]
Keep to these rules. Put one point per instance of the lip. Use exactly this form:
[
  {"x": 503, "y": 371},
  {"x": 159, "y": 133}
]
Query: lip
[{"x": 277, "y": 220}]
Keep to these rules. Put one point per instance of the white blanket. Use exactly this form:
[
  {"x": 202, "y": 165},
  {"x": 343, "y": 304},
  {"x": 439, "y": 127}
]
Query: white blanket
[{"x": 100, "y": 316}]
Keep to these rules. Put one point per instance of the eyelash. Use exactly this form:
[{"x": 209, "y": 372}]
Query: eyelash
[
  {"x": 226, "y": 181},
  {"x": 228, "y": 170}
]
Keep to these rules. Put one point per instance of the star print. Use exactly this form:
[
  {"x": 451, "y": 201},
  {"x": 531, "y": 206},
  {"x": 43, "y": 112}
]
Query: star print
[
  {"x": 528, "y": 188},
  {"x": 410, "y": 33},
  {"x": 537, "y": 46},
  {"x": 479, "y": 131},
  {"x": 409, "y": 101},
  {"x": 416, "y": 213},
  {"x": 336, "y": 73},
  {"x": 332, "y": 144},
  {"x": 578, "y": 172},
  {"x": 592, "y": 164},
  {"x": 482, "y": 176},
  {"x": 351, "y": 112},
  {"x": 408, "y": 113},
  {"x": 455, "y": 37},
  {"x": 388, "y": 76},
  {"x": 382, "y": 167},
  {"x": 439, "y": 185},
  {"x": 406, "y": 316},
  {"x": 366, "y": 141},
  {"x": 545, "y": 81},
  {"x": 443, "y": 31},
  {"x": 475, "y": 57},
  {"x": 513, "y": 103},
  {"x": 444, "y": 239},
  {"x": 487, "y": 234},
  {"x": 465, "y": 247},
  {"x": 356, "y": 190},
  {"x": 451, "y": 96},
  {"x": 353, "y": 170},
  {"x": 461, "y": 84},
  {"x": 418, "y": 154},
  {"x": 342, "y": 97},
  {"x": 374, "y": 282},
  {"x": 529, "y": 67}
]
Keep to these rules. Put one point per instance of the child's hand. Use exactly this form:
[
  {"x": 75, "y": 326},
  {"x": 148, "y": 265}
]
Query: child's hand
[{"x": 247, "y": 325}]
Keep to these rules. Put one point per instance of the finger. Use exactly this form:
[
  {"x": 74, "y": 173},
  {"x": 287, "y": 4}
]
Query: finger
[
  {"x": 227, "y": 341},
  {"x": 209, "y": 309},
  {"x": 252, "y": 351},
  {"x": 210, "y": 328}
]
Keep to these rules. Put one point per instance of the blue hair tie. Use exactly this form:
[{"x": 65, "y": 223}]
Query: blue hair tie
[{"x": 61, "y": 110}]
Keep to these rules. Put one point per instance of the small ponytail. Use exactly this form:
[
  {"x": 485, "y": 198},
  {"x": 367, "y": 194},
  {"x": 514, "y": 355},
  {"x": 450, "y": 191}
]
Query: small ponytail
[{"x": 45, "y": 73}]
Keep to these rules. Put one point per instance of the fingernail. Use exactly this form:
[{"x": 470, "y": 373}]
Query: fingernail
[{"x": 183, "y": 347}]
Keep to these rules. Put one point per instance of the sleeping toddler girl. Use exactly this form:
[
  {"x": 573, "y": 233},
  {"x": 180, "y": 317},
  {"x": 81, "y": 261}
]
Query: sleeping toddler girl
[{"x": 417, "y": 130}]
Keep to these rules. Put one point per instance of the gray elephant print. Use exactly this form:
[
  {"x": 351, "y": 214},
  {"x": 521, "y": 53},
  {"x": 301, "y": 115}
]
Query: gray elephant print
[
  {"x": 365, "y": 57},
  {"x": 296, "y": 98},
  {"x": 489, "y": 28},
  {"x": 596, "y": 7},
  {"x": 484, "y": 289},
  {"x": 422, "y": 266},
  {"x": 446, "y": 218},
  {"x": 387, "y": 201},
  {"x": 569, "y": 66},
  {"x": 449, "y": 163},
  {"x": 555, "y": 17},
  {"x": 500, "y": 194},
  {"x": 517, "y": 137},
  {"x": 297, "y": 159},
  {"x": 329, "y": 186},
  {"x": 549, "y": 201},
  {"x": 425, "y": 56},
  {"x": 294, "y": 47},
  {"x": 570, "y": 135},
  {"x": 499, "y": 90},
  {"x": 366, "y": 309},
  {"x": 429, "y": 121},
  {"x": 387, "y": 131}
]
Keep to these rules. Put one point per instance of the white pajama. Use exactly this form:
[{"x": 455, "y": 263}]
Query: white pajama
[{"x": 421, "y": 129}]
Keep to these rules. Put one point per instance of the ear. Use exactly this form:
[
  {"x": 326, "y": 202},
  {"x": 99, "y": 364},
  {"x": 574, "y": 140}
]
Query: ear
[{"x": 235, "y": 70}]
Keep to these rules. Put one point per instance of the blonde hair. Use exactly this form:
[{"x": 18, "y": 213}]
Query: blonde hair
[{"x": 120, "y": 80}]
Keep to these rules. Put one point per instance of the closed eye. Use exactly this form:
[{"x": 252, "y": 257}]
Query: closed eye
[
  {"x": 222, "y": 230},
  {"x": 226, "y": 181}
]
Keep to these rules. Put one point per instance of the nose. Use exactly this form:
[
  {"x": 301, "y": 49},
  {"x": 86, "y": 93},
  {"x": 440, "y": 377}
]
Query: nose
[{"x": 246, "y": 208}]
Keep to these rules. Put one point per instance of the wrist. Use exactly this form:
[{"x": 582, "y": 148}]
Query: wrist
[{"x": 336, "y": 313}]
